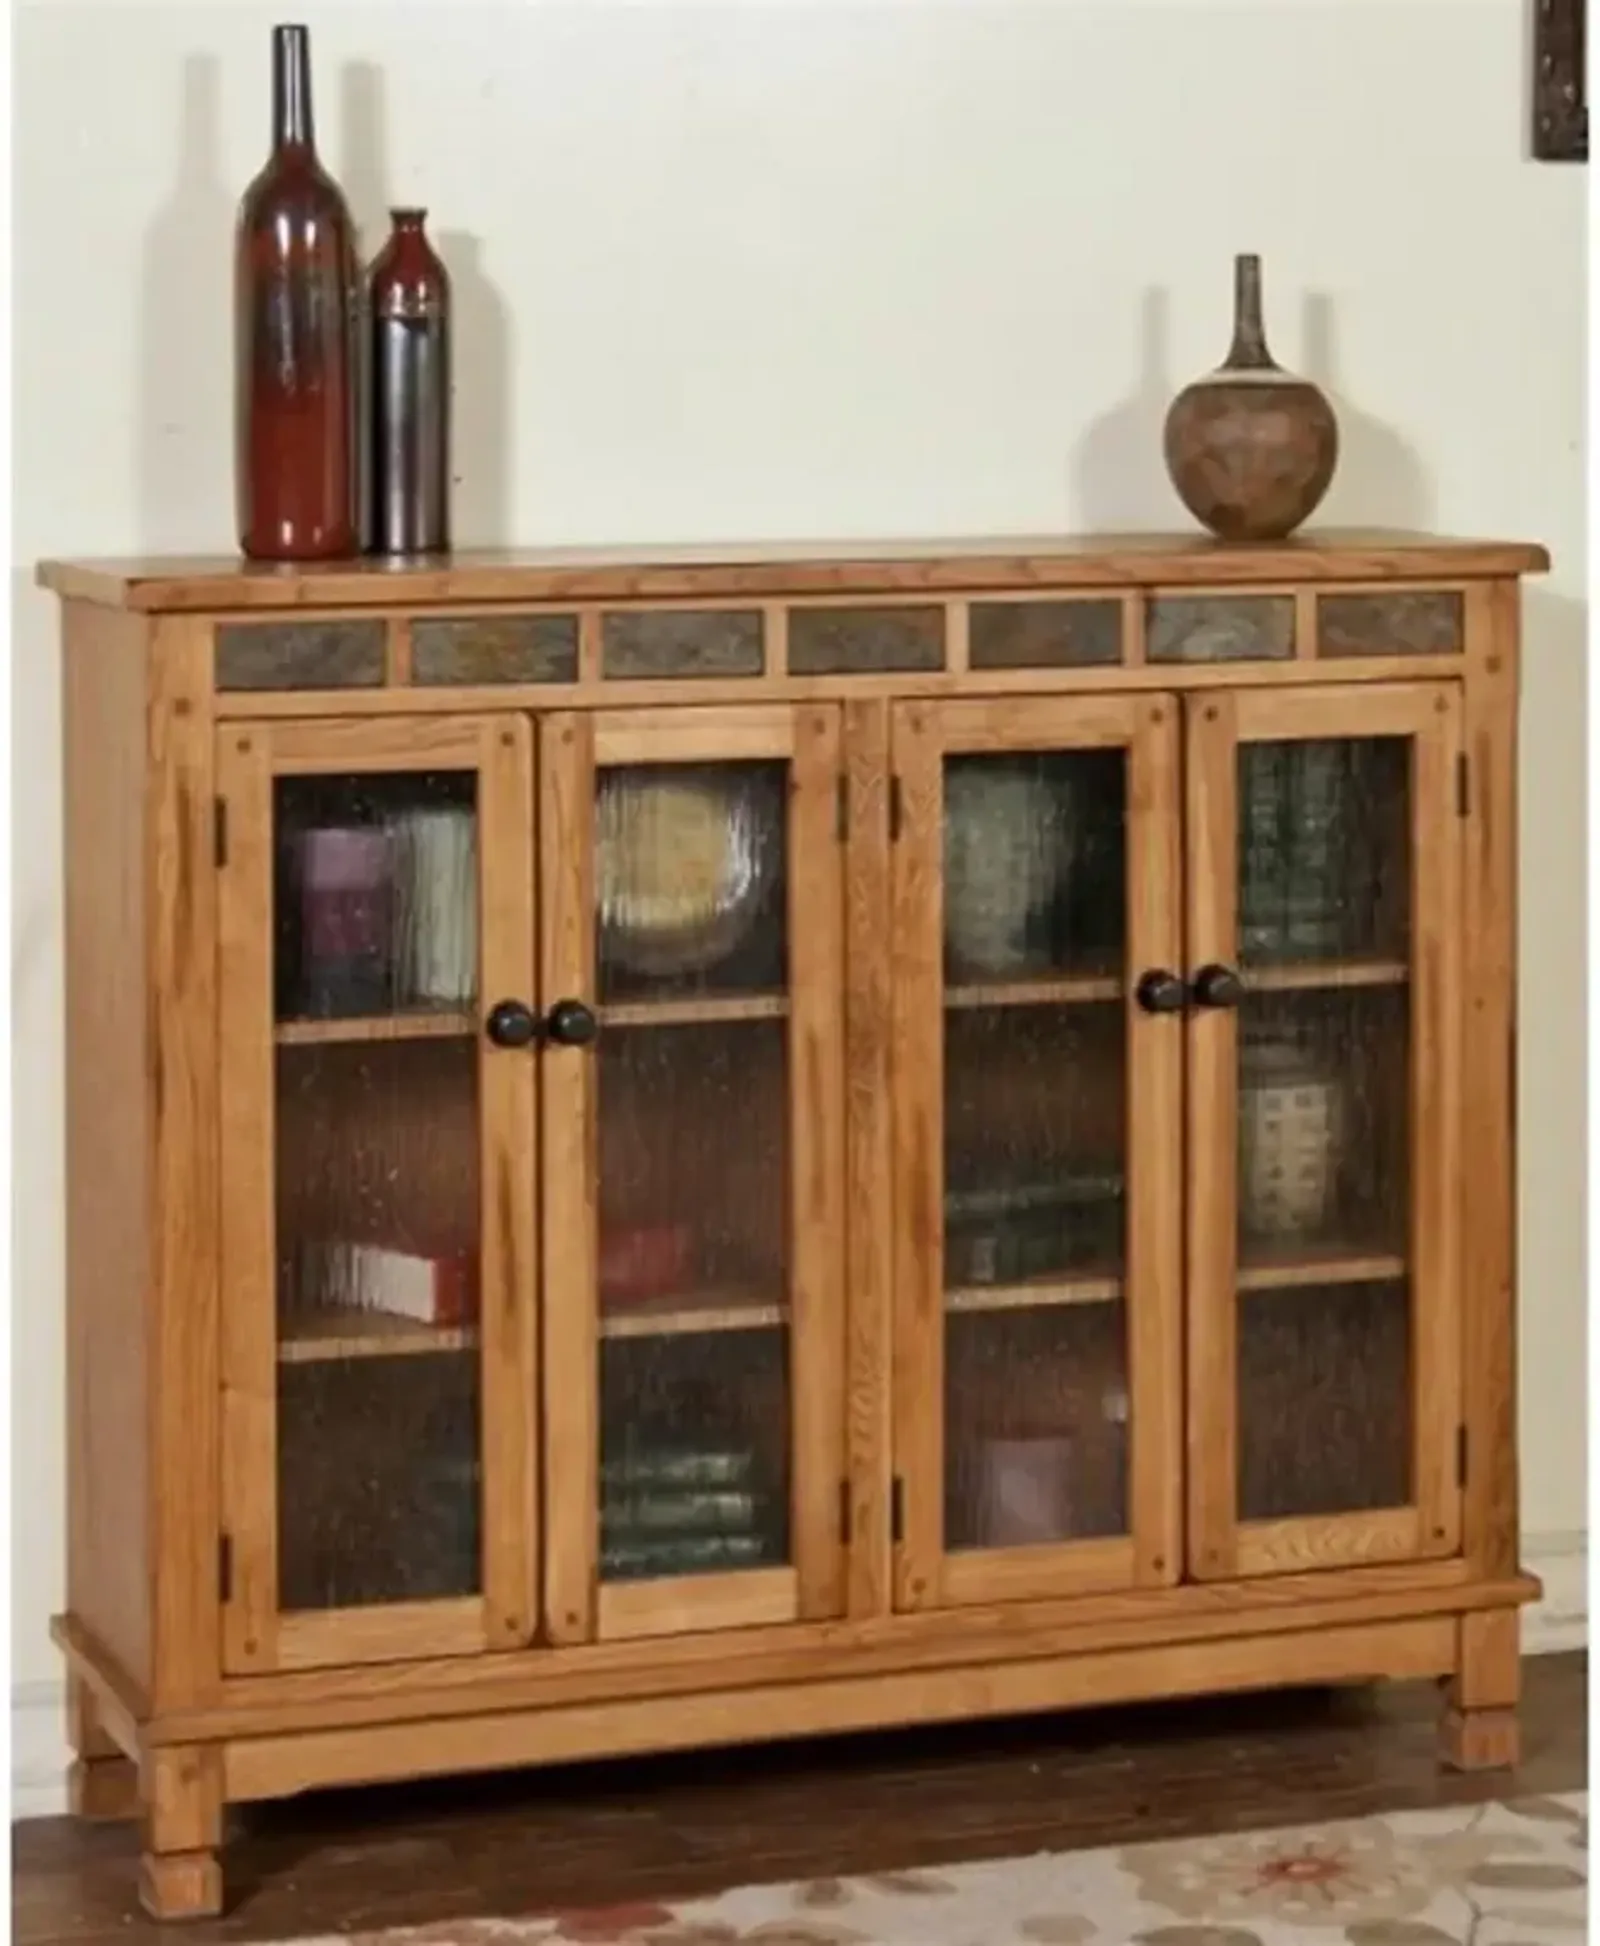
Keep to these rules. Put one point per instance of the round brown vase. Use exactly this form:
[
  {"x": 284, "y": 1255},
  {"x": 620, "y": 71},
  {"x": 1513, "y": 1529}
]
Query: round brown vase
[{"x": 1250, "y": 448}]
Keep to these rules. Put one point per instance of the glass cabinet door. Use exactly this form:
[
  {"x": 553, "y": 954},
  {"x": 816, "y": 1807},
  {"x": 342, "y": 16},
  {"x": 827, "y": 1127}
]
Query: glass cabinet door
[
  {"x": 1324, "y": 926},
  {"x": 379, "y": 1188},
  {"x": 1037, "y": 1068},
  {"x": 692, "y": 1105}
]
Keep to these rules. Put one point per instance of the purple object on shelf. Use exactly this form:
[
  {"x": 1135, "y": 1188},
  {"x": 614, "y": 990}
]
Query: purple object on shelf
[{"x": 345, "y": 898}]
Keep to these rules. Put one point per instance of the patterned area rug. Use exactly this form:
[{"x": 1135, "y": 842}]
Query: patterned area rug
[{"x": 1512, "y": 1874}]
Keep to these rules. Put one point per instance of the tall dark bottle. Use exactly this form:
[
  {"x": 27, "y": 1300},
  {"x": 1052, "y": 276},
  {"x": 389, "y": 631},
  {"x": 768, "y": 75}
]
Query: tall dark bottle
[
  {"x": 296, "y": 338},
  {"x": 408, "y": 365}
]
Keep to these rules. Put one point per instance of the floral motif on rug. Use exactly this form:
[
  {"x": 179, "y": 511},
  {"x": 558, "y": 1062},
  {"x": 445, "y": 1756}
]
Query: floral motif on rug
[{"x": 1509, "y": 1874}]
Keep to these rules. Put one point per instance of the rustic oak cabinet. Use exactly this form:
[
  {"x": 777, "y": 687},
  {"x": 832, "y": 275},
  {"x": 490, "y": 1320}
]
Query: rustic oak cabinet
[{"x": 667, "y": 1149}]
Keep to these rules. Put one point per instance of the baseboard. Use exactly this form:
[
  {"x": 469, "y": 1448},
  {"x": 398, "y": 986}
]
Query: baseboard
[{"x": 39, "y": 1754}]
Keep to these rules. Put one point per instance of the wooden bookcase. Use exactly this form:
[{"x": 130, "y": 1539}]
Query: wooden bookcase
[{"x": 667, "y": 1149}]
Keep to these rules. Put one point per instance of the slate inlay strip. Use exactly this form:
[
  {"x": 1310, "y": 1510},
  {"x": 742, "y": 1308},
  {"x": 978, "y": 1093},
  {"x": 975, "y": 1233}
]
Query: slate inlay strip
[
  {"x": 1219, "y": 628},
  {"x": 864, "y": 641},
  {"x": 494, "y": 648},
  {"x": 301, "y": 655},
  {"x": 1408, "y": 622},
  {"x": 681, "y": 642},
  {"x": 1044, "y": 634}
]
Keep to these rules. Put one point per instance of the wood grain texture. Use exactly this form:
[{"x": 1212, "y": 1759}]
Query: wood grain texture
[
  {"x": 275, "y": 1766},
  {"x": 182, "y": 1299},
  {"x": 817, "y": 1240},
  {"x": 1401, "y": 622},
  {"x": 868, "y": 1155},
  {"x": 1219, "y": 628},
  {"x": 323, "y": 654},
  {"x": 493, "y": 648},
  {"x": 681, "y": 642},
  {"x": 1044, "y": 634},
  {"x": 937, "y": 1638},
  {"x": 843, "y": 641},
  {"x": 509, "y": 1192},
  {"x": 109, "y": 1084},
  {"x": 179, "y": 1873},
  {"x": 570, "y": 1242},
  {"x": 215, "y": 583},
  {"x": 1487, "y": 1210}
]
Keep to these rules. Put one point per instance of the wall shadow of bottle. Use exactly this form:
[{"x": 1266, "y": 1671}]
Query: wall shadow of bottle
[
  {"x": 1117, "y": 477},
  {"x": 183, "y": 457},
  {"x": 1378, "y": 481},
  {"x": 481, "y": 397}
]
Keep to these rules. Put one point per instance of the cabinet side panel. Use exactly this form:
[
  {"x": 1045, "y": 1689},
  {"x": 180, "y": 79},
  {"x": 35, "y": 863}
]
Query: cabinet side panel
[{"x": 108, "y": 1127}]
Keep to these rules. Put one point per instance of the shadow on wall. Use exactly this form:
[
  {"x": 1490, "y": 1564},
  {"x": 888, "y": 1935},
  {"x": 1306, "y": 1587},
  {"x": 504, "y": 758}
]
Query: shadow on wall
[
  {"x": 481, "y": 349},
  {"x": 1118, "y": 475},
  {"x": 1379, "y": 481},
  {"x": 183, "y": 422}
]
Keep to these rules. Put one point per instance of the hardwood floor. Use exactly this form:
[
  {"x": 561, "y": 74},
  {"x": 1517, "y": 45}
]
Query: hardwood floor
[{"x": 686, "y": 1825}]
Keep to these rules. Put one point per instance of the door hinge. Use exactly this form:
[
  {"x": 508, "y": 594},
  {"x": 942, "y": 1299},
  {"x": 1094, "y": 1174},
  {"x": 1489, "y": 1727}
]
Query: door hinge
[
  {"x": 225, "y": 1568},
  {"x": 1463, "y": 799},
  {"x": 894, "y": 809},
  {"x": 897, "y": 1510},
  {"x": 841, "y": 821},
  {"x": 219, "y": 829},
  {"x": 1461, "y": 1456},
  {"x": 846, "y": 1519}
]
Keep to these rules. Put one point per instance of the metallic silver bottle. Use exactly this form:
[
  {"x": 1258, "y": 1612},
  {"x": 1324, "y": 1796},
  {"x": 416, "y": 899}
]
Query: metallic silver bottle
[{"x": 407, "y": 488}]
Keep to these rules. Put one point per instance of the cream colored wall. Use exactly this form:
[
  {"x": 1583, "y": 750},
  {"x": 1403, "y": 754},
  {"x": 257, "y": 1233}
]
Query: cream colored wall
[{"x": 759, "y": 270}]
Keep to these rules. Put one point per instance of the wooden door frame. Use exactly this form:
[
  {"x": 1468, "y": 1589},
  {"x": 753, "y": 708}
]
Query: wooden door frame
[
  {"x": 1430, "y": 715},
  {"x": 257, "y": 1636},
  {"x": 574, "y": 747},
  {"x": 922, "y": 734}
]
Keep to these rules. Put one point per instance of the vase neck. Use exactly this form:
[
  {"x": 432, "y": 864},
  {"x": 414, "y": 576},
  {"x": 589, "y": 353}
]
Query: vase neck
[
  {"x": 291, "y": 90},
  {"x": 1249, "y": 348}
]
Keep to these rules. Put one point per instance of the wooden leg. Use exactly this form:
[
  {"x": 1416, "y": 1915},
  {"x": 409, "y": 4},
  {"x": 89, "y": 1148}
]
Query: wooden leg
[
  {"x": 1480, "y": 1729},
  {"x": 179, "y": 1874},
  {"x": 103, "y": 1783}
]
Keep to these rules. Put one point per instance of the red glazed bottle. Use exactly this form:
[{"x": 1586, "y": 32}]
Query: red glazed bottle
[{"x": 296, "y": 338}]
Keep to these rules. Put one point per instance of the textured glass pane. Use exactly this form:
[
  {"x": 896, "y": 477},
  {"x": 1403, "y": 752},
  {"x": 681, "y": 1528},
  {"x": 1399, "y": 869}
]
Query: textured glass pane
[
  {"x": 694, "y": 1453},
  {"x": 379, "y": 1480},
  {"x": 378, "y": 1290},
  {"x": 1324, "y": 849},
  {"x": 1033, "y": 865},
  {"x": 1035, "y": 1143},
  {"x": 1324, "y": 1400},
  {"x": 1324, "y": 1123},
  {"x": 690, "y": 879},
  {"x": 1036, "y": 1426},
  {"x": 694, "y": 1295},
  {"x": 376, "y": 895}
]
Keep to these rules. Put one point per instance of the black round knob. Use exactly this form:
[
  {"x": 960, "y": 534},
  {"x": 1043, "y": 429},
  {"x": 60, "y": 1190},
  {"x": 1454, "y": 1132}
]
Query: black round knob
[
  {"x": 510, "y": 1024},
  {"x": 1218, "y": 986},
  {"x": 570, "y": 1023},
  {"x": 1160, "y": 992}
]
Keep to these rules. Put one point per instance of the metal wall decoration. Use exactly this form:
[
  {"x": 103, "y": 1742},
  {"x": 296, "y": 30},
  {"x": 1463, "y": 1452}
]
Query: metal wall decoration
[{"x": 1560, "y": 97}]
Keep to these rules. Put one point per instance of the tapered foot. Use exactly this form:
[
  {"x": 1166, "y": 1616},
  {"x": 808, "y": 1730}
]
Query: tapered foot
[
  {"x": 180, "y": 1884},
  {"x": 1488, "y": 1739},
  {"x": 104, "y": 1789}
]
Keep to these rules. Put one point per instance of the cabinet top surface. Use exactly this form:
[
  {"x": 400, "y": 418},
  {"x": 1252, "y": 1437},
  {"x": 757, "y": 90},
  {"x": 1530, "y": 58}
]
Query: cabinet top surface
[{"x": 204, "y": 584}]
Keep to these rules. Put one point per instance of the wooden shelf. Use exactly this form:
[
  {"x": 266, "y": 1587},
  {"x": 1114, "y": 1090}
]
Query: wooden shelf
[
  {"x": 1309, "y": 976},
  {"x": 681, "y": 1316},
  {"x": 698, "y": 1012},
  {"x": 1329, "y": 1265},
  {"x": 380, "y": 1027},
  {"x": 1058, "y": 991},
  {"x": 314, "y": 1337},
  {"x": 1040, "y": 1294}
]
